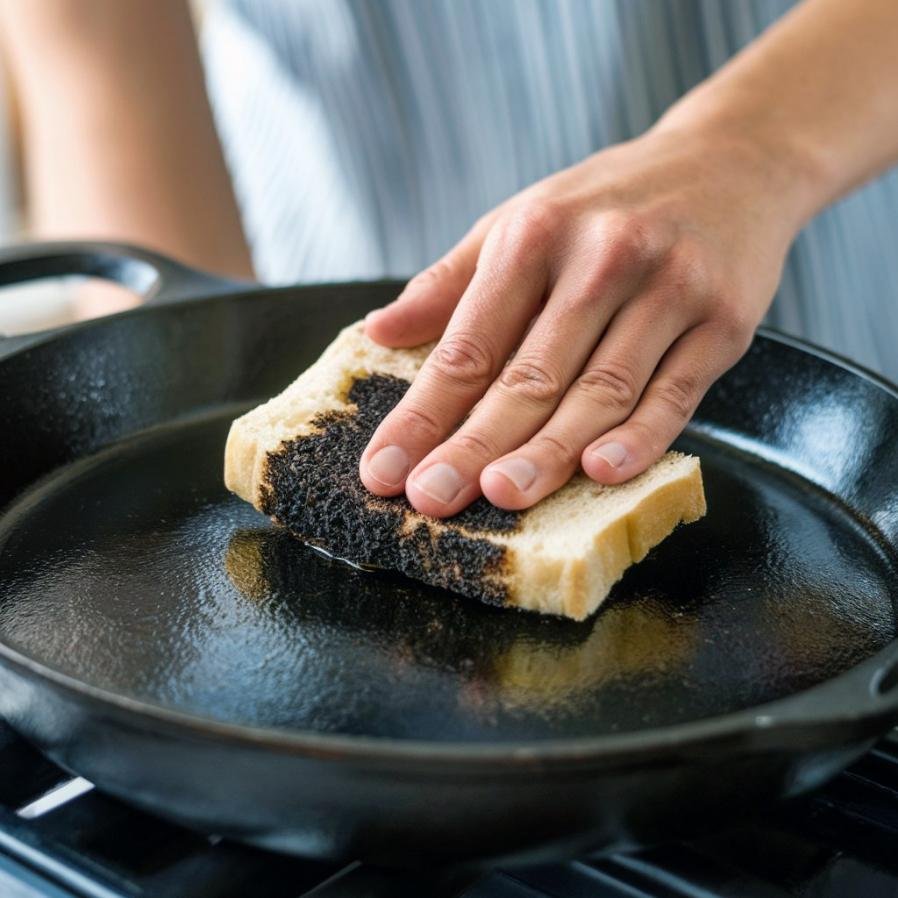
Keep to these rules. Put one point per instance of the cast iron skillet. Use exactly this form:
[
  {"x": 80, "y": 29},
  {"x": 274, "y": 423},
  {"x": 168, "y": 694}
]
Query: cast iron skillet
[{"x": 162, "y": 639}]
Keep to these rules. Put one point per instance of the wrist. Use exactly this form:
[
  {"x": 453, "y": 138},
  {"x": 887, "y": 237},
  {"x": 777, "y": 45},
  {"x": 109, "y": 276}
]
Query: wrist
[{"x": 785, "y": 167}]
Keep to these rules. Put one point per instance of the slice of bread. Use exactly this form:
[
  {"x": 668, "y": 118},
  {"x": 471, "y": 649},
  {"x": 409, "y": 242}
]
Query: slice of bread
[{"x": 296, "y": 459}]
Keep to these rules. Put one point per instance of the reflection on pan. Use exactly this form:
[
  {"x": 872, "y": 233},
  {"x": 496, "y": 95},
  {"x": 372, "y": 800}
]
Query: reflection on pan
[
  {"x": 170, "y": 590},
  {"x": 527, "y": 664}
]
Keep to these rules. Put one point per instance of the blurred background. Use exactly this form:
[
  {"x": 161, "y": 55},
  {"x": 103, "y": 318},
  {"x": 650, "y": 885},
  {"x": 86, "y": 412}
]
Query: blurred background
[
  {"x": 47, "y": 303},
  {"x": 38, "y": 305},
  {"x": 266, "y": 94},
  {"x": 10, "y": 198}
]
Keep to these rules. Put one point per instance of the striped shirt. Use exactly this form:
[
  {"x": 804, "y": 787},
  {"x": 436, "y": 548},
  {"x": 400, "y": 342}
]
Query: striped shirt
[{"x": 366, "y": 136}]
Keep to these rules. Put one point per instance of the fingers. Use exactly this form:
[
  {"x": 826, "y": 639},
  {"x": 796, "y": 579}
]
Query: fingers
[
  {"x": 420, "y": 313},
  {"x": 532, "y": 384},
  {"x": 487, "y": 324},
  {"x": 562, "y": 401},
  {"x": 693, "y": 363},
  {"x": 603, "y": 396}
]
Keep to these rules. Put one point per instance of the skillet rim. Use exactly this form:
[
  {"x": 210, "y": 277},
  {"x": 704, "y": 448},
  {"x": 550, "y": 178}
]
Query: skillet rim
[{"x": 810, "y": 707}]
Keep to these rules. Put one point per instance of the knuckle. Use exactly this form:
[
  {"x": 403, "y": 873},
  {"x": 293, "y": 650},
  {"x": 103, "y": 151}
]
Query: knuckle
[
  {"x": 482, "y": 224},
  {"x": 625, "y": 247},
  {"x": 414, "y": 419},
  {"x": 478, "y": 444},
  {"x": 532, "y": 380},
  {"x": 679, "y": 394},
  {"x": 735, "y": 324},
  {"x": 629, "y": 242},
  {"x": 531, "y": 225},
  {"x": 562, "y": 451},
  {"x": 610, "y": 384},
  {"x": 418, "y": 420},
  {"x": 463, "y": 359}
]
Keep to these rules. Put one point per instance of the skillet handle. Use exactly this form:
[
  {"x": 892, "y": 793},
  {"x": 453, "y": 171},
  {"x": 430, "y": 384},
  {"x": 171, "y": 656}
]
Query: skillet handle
[
  {"x": 154, "y": 276},
  {"x": 864, "y": 697}
]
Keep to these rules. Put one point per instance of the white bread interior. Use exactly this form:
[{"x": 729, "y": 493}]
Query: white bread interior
[{"x": 568, "y": 550}]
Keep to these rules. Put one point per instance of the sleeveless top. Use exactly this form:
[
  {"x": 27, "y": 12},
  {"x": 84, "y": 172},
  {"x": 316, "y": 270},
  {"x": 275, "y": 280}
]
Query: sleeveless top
[{"x": 366, "y": 136}]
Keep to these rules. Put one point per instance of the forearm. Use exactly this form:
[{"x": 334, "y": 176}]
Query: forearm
[
  {"x": 119, "y": 137},
  {"x": 818, "y": 92}
]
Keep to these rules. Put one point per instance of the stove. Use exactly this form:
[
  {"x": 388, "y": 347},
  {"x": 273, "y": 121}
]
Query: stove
[{"x": 60, "y": 838}]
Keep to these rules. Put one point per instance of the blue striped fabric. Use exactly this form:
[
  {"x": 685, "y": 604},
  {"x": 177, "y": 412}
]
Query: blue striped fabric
[{"x": 366, "y": 136}]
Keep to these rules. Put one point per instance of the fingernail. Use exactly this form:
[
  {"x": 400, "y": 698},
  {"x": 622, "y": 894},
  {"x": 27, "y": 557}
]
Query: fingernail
[
  {"x": 519, "y": 471},
  {"x": 440, "y": 481},
  {"x": 614, "y": 453},
  {"x": 389, "y": 465}
]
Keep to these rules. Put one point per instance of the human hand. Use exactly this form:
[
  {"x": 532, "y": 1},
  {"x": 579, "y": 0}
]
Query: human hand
[{"x": 582, "y": 321}]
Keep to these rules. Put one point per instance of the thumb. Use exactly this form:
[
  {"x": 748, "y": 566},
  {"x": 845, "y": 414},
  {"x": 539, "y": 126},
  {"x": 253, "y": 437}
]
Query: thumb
[{"x": 421, "y": 312}]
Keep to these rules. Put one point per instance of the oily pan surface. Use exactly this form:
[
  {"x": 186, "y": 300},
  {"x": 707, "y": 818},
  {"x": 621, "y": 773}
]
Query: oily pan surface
[{"x": 137, "y": 572}]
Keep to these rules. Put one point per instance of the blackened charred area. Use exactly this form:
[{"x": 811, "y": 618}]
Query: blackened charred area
[{"x": 313, "y": 489}]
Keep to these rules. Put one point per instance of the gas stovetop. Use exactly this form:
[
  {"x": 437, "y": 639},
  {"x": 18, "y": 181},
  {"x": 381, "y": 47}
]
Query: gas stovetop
[{"x": 60, "y": 838}]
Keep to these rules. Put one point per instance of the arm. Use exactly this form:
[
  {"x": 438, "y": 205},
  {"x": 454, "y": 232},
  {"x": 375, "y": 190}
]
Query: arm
[
  {"x": 818, "y": 92},
  {"x": 119, "y": 138},
  {"x": 645, "y": 270}
]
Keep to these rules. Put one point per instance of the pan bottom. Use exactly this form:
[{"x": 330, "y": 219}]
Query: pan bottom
[{"x": 135, "y": 571}]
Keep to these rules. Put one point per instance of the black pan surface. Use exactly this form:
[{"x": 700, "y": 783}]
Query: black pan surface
[
  {"x": 135, "y": 571},
  {"x": 162, "y": 639}
]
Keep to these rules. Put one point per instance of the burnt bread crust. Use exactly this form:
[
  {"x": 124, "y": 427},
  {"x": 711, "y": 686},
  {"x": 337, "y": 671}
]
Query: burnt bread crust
[
  {"x": 295, "y": 457},
  {"x": 311, "y": 486}
]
